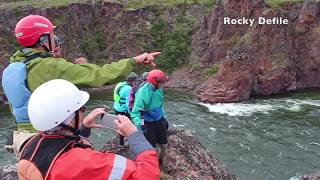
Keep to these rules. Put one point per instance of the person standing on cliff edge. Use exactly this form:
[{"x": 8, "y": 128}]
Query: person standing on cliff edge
[
  {"x": 148, "y": 112},
  {"x": 34, "y": 65},
  {"x": 121, "y": 95}
]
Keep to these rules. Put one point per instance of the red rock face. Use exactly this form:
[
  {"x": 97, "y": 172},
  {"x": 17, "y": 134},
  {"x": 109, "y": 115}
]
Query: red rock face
[
  {"x": 100, "y": 32},
  {"x": 267, "y": 59}
]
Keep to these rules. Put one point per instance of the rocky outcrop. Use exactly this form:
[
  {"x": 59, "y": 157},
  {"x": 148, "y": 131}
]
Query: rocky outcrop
[
  {"x": 187, "y": 158},
  {"x": 101, "y": 32},
  {"x": 258, "y": 60}
]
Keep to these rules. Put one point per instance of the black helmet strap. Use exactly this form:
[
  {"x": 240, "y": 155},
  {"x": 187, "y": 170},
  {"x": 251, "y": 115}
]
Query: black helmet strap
[
  {"x": 75, "y": 130},
  {"x": 41, "y": 42}
]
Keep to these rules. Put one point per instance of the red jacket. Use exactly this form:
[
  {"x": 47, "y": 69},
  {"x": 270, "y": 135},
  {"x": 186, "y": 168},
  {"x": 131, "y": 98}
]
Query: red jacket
[{"x": 88, "y": 164}]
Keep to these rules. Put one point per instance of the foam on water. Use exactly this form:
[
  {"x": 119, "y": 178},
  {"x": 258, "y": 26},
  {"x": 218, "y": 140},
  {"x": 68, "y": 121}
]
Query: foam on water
[
  {"x": 178, "y": 125},
  {"x": 262, "y": 106},
  {"x": 237, "y": 109}
]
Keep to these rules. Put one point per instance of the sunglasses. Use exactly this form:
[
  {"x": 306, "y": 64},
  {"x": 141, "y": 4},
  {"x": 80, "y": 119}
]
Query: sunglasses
[{"x": 83, "y": 108}]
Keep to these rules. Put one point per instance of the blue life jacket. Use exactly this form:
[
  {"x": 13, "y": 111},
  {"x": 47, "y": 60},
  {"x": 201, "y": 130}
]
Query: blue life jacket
[{"x": 14, "y": 83}]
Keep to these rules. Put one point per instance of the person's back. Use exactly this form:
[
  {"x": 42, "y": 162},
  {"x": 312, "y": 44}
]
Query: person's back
[
  {"x": 121, "y": 97},
  {"x": 105, "y": 165},
  {"x": 135, "y": 88},
  {"x": 57, "y": 152},
  {"x": 132, "y": 95}
]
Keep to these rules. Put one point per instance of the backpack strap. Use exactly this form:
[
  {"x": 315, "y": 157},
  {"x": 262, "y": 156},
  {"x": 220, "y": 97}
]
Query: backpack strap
[
  {"x": 29, "y": 58},
  {"x": 118, "y": 91},
  {"x": 43, "y": 150},
  {"x": 33, "y": 56}
]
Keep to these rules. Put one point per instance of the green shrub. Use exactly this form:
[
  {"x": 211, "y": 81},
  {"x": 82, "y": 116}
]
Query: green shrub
[
  {"x": 93, "y": 43},
  {"x": 212, "y": 70},
  {"x": 278, "y": 3},
  {"x": 195, "y": 67},
  {"x": 135, "y": 4},
  {"x": 174, "y": 42},
  {"x": 38, "y": 3}
]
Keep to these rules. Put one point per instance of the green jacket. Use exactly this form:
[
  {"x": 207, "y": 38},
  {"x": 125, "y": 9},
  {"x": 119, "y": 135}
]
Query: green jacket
[{"x": 41, "y": 70}]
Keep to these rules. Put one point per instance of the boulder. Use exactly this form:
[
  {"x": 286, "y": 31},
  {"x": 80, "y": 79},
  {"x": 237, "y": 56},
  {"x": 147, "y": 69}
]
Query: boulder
[{"x": 187, "y": 158}]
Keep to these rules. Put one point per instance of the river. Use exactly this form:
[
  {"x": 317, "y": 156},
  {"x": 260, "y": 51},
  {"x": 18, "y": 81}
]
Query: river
[{"x": 271, "y": 138}]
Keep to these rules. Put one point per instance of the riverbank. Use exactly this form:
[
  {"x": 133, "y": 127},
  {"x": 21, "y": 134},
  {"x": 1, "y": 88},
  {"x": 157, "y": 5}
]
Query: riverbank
[{"x": 187, "y": 159}]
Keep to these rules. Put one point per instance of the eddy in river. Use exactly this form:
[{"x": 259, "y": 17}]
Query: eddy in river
[
  {"x": 34, "y": 65},
  {"x": 58, "y": 152}
]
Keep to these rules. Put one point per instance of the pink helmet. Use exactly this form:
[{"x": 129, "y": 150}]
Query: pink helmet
[
  {"x": 29, "y": 29},
  {"x": 155, "y": 76}
]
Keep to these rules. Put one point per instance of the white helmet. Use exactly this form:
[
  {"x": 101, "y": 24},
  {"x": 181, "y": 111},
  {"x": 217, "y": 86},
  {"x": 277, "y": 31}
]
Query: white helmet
[{"x": 52, "y": 102}]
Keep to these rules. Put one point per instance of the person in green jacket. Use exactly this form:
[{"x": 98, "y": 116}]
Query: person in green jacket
[
  {"x": 121, "y": 97},
  {"x": 36, "y": 35},
  {"x": 148, "y": 111}
]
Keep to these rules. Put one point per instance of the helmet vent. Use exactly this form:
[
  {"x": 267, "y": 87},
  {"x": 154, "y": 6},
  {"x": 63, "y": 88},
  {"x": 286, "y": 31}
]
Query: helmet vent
[
  {"x": 19, "y": 34},
  {"x": 41, "y": 25}
]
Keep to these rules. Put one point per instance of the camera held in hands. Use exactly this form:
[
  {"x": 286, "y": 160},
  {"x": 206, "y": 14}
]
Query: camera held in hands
[{"x": 107, "y": 120}]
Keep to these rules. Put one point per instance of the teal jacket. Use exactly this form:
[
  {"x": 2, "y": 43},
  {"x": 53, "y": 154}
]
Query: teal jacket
[
  {"x": 149, "y": 101},
  {"x": 124, "y": 93}
]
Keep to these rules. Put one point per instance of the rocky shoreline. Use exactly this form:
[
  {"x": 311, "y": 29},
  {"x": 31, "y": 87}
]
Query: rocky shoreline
[{"x": 187, "y": 159}]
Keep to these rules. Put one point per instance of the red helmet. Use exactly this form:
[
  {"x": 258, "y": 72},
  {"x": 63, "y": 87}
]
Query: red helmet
[
  {"x": 30, "y": 28},
  {"x": 155, "y": 76}
]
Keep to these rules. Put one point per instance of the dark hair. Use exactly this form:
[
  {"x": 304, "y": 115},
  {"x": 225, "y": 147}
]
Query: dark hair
[{"x": 132, "y": 77}]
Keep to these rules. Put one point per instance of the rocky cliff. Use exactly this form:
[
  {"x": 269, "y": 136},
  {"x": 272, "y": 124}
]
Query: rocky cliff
[
  {"x": 187, "y": 159},
  {"x": 106, "y": 31},
  {"x": 258, "y": 60},
  {"x": 219, "y": 62},
  {"x": 102, "y": 32}
]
